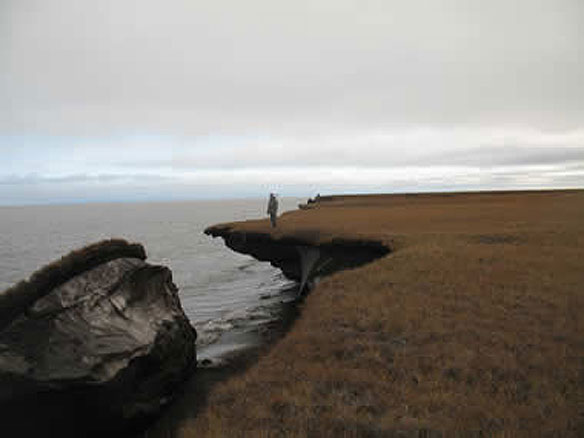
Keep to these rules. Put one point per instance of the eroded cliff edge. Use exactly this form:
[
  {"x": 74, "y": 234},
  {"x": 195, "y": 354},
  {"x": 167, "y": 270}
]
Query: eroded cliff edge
[{"x": 302, "y": 255}]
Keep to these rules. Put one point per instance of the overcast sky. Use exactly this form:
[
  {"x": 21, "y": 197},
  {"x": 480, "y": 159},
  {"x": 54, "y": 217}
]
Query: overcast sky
[{"x": 178, "y": 99}]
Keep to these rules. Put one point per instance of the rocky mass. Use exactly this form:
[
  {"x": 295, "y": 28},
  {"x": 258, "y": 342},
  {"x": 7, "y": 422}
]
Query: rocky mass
[{"x": 96, "y": 340}]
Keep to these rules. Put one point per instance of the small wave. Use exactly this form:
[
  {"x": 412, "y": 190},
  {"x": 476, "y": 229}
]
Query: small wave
[
  {"x": 246, "y": 266},
  {"x": 263, "y": 311}
]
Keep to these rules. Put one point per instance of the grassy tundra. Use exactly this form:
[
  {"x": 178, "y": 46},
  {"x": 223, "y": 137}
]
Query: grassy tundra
[{"x": 473, "y": 323}]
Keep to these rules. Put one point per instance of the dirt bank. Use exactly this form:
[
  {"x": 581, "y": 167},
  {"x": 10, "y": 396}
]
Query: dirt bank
[
  {"x": 304, "y": 255},
  {"x": 470, "y": 324}
]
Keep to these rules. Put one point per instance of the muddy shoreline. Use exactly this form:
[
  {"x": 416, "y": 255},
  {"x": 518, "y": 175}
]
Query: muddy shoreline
[{"x": 192, "y": 398}]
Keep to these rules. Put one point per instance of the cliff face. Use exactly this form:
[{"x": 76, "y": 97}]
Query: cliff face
[
  {"x": 301, "y": 256},
  {"x": 98, "y": 337}
]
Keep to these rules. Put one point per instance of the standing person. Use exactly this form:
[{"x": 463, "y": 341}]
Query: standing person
[{"x": 273, "y": 209}]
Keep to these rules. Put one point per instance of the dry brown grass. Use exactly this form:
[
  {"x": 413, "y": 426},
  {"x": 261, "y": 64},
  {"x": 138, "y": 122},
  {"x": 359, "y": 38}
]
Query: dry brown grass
[{"x": 472, "y": 325}]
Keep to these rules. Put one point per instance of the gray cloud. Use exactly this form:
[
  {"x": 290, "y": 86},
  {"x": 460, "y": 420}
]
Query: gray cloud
[
  {"x": 510, "y": 155},
  {"x": 82, "y": 179},
  {"x": 184, "y": 98},
  {"x": 82, "y": 66},
  {"x": 393, "y": 148}
]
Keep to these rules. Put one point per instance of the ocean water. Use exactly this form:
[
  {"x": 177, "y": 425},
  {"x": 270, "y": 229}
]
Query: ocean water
[{"x": 223, "y": 293}]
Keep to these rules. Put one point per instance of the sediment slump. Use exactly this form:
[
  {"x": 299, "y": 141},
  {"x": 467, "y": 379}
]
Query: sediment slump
[
  {"x": 304, "y": 255},
  {"x": 93, "y": 342}
]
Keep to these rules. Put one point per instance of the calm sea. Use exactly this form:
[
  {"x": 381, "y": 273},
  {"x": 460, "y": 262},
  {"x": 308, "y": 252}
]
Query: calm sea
[{"x": 222, "y": 292}]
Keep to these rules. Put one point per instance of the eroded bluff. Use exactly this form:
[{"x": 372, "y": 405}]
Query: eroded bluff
[
  {"x": 98, "y": 338},
  {"x": 304, "y": 255}
]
